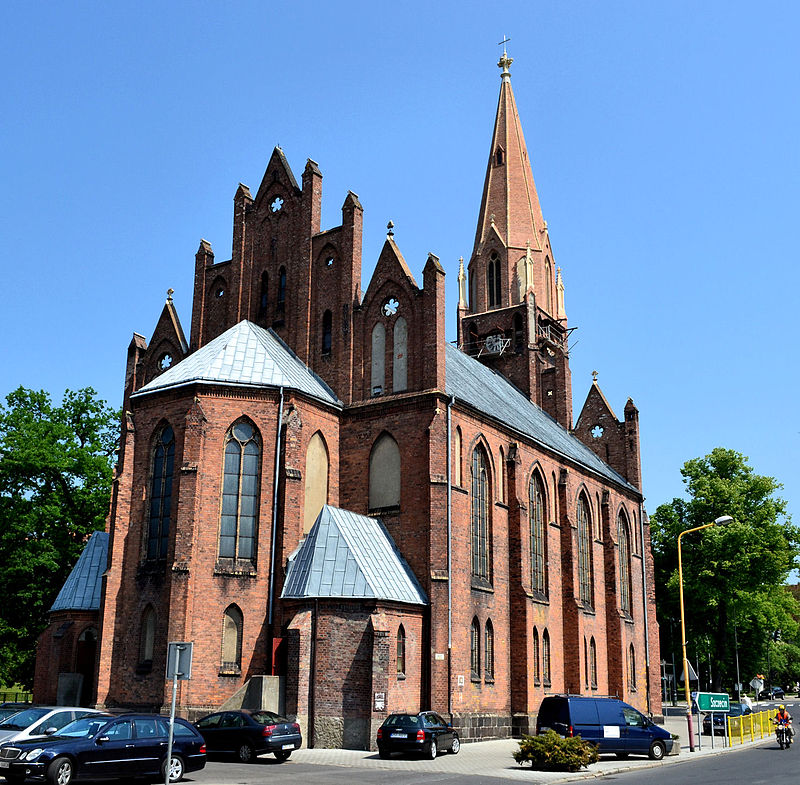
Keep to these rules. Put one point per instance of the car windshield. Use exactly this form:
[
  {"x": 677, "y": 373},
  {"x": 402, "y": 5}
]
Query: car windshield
[
  {"x": 402, "y": 720},
  {"x": 23, "y": 719},
  {"x": 84, "y": 728},
  {"x": 268, "y": 718}
]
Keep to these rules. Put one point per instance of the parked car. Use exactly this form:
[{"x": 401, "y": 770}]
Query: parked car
[
  {"x": 10, "y": 707},
  {"x": 39, "y": 721},
  {"x": 737, "y": 710},
  {"x": 248, "y": 734},
  {"x": 426, "y": 733},
  {"x": 771, "y": 694},
  {"x": 611, "y": 724},
  {"x": 104, "y": 746}
]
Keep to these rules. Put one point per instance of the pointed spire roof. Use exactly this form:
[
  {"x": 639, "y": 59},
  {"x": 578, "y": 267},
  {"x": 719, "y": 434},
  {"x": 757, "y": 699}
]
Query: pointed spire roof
[{"x": 510, "y": 202}]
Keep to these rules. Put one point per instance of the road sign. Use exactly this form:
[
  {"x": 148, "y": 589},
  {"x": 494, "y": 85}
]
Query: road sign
[
  {"x": 179, "y": 660},
  {"x": 757, "y": 684},
  {"x": 713, "y": 701}
]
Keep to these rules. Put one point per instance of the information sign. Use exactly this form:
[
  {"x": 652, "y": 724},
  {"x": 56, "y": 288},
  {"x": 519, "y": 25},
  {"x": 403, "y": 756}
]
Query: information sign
[{"x": 714, "y": 702}]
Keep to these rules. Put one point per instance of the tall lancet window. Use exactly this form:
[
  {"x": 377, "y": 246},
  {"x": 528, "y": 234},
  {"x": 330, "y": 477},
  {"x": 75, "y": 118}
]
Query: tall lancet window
[
  {"x": 480, "y": 518},
  {"x": 239, "y": 517},
  {"x": 624, "y": 564},
  {"x": 548, "y": 286},
  {"x": 536, "y": 514},
  {"x": 161, "y": 494},
  {"x": 493, "y": 280},
  {"x": 586, "y": 589}
]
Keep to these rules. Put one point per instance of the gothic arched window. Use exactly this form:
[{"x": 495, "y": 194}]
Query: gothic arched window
[
  {"x": 546, "y": 658},
  {"x": 232, "y": 627},
  {"x": 240, "y": 483},
  {"x": 457, "y": 456},
  {"x": 475, "y": 650},
  {"x": 161, "y": 494},
  {"x": 623, "y": 536},
  {"x": 480, "y": 517},
  {"x": 401, "y": 651},
  {"x": 488, "y": 651},
  {"x": 519, "y": 334},
  {"x": 548, "y": 285},
  {"x": 631, "y": 668},
  {"x": 586, "y": 589},
  {"x": 281, "y": 303},
  {"x": 537, "y": 668},
  {"x": 378, "y": 374},
  {"x": 147, "y": 635},
  {"x": 593, "y": 663},
  {"x": 316, "y": 480},
  {"x": 537, "y": 518},
  {"x": 384, "y": 473},
  {"x": 400, "y": 362},
  {"x": 493, "y": 280},
  {"x": 327, "y": 332}
]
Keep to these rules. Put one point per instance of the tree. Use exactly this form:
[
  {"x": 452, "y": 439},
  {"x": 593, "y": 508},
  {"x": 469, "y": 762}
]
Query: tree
[
  {"x": 56, "y": 465},
  {"x": 733, "y": 575}
]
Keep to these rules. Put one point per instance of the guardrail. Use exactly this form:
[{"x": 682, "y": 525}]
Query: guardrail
[
  {"x": 15, "y": 696},
  {"x": 751, "y": 727}
]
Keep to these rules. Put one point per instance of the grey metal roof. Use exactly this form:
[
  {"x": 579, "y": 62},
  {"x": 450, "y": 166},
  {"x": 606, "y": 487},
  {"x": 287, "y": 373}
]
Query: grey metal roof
[
  {"x": 491, "y": 393},
  {"x": 351, "y": 556},
  {"x": 246, "y": 354},
  {"x": 81, "y": 591}
]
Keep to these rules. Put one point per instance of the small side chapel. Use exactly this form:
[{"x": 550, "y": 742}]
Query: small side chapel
[{"x": 347, "y": 514}]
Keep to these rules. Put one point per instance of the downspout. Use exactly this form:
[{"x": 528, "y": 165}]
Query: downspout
[
  {"x": 646, "y": 609},
  {"x": 275, "y": 480},
  {"x": 449, "y": 558}
]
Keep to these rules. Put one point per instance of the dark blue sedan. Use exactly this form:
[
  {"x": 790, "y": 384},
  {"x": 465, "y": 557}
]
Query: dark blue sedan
[{"x": 102, "y": 746}]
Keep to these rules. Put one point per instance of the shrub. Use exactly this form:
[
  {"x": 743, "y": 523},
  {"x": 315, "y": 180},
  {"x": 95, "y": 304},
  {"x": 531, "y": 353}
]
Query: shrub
[{"x": 549, "y": 752}]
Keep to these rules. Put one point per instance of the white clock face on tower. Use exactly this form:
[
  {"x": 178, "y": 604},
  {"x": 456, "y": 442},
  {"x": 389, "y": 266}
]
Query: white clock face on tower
[{"x": 494, "y": 343}]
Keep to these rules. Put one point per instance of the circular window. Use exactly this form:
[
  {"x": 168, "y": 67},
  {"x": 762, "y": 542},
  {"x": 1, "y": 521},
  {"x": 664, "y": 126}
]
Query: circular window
[
  {"x": 390, "y": 307},
  {"x": 243, "y": 431},
  {"x": 597, "y": 431},
  {"x": 276, "y": 204},
  {"x": 165, "y": 361}
]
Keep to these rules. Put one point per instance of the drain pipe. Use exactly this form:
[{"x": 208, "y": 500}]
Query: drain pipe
[
  {"x": 646, "y": 610},
  {"x": 450, "y": 557},
  {"x": 275, "y": 480}
]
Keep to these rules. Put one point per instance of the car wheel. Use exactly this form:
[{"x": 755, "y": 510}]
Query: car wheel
[
  {"x": 657, "y": 750},
  {"x": 455, "y": 745},
  {"x": 176, "y": 768},
  {"x": 384, "y": 753},
  {"x": 60, "y": 772},
  {"x": 245, "y": 753},
  {"x": 282, "y": 755},
  {"x": 431, "y": 750}
]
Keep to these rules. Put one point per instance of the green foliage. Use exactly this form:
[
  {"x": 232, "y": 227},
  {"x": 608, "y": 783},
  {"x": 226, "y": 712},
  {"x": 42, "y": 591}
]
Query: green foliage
[
  {"x": 549, "y": 752},
  {"x": 56, "y": 465},
  {"x": 732, "y": 574}
]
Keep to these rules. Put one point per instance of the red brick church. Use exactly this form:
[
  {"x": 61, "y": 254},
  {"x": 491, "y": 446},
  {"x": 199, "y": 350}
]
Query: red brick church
[{"x": 318, "y": 488}]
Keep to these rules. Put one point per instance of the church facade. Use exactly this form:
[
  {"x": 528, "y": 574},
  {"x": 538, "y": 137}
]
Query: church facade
[{"x": 316, "y": 485}]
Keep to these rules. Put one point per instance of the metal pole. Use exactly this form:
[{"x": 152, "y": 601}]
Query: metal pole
[
  {"x": 178, "y": 649},
  {"x": 738, "y": 679}
]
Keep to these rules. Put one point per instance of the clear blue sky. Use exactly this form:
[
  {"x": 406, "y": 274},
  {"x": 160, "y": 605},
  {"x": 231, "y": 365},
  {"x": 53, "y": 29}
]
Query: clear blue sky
[{"x": 664, "y": 143}]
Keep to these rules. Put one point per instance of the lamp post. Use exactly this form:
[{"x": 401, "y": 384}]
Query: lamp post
[{"x": 718, "y": 522}]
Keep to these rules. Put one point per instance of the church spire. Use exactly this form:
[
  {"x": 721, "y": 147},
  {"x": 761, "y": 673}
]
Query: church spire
[{"x": 509, "y": 193}]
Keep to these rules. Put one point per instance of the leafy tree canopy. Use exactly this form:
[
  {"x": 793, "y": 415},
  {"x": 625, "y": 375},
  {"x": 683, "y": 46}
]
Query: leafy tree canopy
[
  {"x": 56, "y": 465},
  {"x": 733, "y": 575}
]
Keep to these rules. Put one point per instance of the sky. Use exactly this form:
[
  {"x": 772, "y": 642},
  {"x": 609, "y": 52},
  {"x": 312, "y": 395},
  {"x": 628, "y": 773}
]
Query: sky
[{"x": 663, "y": 139}]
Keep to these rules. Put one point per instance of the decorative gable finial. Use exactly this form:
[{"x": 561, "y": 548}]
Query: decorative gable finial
[
  {"x": 594, "y": 376},
  {"x": 170, "y": 292},
  {"x": 505, "y": 61},
  {"x": 390, "y": 229}
]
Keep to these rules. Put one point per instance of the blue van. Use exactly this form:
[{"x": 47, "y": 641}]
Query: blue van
[{"x": 610, "y": 723}]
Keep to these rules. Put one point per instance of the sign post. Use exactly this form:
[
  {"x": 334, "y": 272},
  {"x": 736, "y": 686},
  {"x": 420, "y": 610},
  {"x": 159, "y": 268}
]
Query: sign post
[
  {"x": 179, "y": 666},
  {"x": 713, "y": 703}
]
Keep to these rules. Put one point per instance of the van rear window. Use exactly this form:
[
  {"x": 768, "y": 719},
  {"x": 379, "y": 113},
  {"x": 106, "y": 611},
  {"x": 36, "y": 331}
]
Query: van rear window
[{"x": 552, "y": 711}]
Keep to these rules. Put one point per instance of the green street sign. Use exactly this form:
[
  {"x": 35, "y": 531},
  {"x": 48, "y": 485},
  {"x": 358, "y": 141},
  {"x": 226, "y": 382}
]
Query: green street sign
[{"x": 714, "y": 701}]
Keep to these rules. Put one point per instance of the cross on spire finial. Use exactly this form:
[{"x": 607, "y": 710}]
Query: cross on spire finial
[
  {"x": 170, "y": 292},
  {"x": 594, "y": 376},
  {"x": 505, "y": 61}
]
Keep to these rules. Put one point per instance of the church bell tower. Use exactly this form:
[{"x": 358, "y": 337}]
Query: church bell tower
[{"x": 511, "y": 300}]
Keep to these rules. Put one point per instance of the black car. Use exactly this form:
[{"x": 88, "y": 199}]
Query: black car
[
  {"x": 102, "y": 746},
  {"x": 425, "y": 733},
  {"x": 737, "y": 710},
  {"x": 250, "y": 733},
  {"x": 771, "y": 694}
]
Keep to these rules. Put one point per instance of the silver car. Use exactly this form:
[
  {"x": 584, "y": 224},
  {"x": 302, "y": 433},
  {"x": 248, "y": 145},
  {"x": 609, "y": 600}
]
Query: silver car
[{"x": 39, "y": 720}]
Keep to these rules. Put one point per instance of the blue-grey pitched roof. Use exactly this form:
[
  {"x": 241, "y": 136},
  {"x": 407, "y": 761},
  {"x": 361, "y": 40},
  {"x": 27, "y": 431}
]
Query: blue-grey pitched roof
[
  {"x": 351, "y": 556},
  {"x": 81, "y": 591},
  {"x": 491, "y": 393},
  {"x": 245, "y": 354}
]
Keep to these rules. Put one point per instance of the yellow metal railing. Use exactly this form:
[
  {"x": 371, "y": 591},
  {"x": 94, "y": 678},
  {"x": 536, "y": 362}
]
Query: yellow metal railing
[{"x": 751, "y": 727}]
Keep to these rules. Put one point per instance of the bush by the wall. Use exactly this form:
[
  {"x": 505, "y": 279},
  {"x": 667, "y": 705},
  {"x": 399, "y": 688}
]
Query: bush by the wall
[{"x": 549, "y": 752}]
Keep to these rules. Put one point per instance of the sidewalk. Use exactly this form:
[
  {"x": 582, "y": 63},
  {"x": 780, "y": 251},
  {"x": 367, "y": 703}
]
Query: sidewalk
[{"x": 493, "y": 759}]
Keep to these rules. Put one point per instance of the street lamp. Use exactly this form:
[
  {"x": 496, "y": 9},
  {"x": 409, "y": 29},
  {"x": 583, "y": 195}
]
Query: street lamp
[{"x": 723, "y": 519}]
